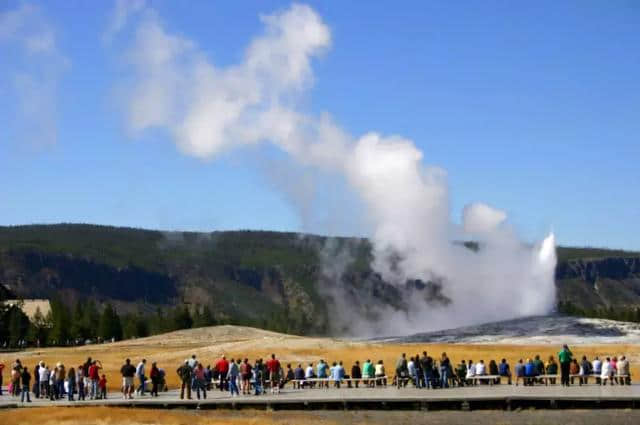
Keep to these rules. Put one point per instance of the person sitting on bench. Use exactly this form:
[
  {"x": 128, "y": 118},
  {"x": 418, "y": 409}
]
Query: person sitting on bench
[
  {"x": 624, "y": 374},
  {"x": 504, "y": 370},
  {"x": 552, "y": 369}
]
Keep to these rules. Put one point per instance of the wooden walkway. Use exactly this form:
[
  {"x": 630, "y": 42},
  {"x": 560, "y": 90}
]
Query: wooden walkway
[{"x": 503, "y": 397}]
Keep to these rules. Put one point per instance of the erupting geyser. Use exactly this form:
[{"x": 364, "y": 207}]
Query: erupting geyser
[{"x": 208, "y": 110}]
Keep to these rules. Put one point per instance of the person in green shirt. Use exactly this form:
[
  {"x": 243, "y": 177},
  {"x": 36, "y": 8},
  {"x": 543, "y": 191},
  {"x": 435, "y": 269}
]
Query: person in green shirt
[
  {"x": 565, "y": 356},
  {"x": 368, "y": 372}
]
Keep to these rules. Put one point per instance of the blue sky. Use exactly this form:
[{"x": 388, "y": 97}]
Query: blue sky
[{"x": 533, "y": 108}]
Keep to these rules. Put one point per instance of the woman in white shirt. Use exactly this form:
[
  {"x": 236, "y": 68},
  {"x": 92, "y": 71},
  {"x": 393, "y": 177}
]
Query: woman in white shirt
[{"x": 44, "y": 380}]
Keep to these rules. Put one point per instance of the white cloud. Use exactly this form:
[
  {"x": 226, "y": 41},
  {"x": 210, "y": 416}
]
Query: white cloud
[
  {"x": 122, "y": 11},
  {"x": 27, "y": 36}
]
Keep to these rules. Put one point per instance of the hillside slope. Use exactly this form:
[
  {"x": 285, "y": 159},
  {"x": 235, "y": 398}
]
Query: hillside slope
[{"x": 268, "y": 279}]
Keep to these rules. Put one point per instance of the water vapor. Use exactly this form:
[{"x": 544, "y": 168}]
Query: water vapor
[{"x": 208, "y": 110}]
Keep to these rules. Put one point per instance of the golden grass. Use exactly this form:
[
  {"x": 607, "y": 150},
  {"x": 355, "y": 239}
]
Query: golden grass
[
  {"x": 111, "y": 415},
  {"x": 208, "y": 344}
]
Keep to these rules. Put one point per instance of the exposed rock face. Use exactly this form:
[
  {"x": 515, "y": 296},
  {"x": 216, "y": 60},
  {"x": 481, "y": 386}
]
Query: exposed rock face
[
  {"x": 592, "y": 270},
  {"x": 599, "y": 283}
]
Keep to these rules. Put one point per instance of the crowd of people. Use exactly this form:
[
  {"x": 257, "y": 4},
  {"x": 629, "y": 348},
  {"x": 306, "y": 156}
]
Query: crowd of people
[
  {"x": 56, "y": 382},
  {"x": 237, "y": 375}
]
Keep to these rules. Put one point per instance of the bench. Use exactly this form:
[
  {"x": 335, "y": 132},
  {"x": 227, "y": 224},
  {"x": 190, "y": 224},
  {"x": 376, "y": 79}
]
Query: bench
[
  {"x": 479, "y": 378},
  {"x": 626, "y": 379},
  {"x": 300, "y": 382},
  {"x": 547, "y": 378}
]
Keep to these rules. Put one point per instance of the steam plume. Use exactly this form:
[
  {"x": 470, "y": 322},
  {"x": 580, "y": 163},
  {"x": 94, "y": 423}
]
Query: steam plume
[{"x": 209, "y": 110}]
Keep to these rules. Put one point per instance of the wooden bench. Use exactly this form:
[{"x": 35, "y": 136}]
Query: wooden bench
[
  {"x": 479, "y": 378},
  {"x": 547, "y": 378},
  {"x": 626, "y": 379},
  {"x": 300, "y": 382}
]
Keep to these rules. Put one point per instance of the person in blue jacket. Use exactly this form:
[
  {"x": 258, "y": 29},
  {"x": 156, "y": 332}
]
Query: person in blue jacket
[{"x": 530, "y": 372}]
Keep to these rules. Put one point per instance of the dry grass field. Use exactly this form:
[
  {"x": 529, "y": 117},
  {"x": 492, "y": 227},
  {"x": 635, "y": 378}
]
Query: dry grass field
[
  {"x": 170, "y": 350},
  {"x": 122, "y": 416}
]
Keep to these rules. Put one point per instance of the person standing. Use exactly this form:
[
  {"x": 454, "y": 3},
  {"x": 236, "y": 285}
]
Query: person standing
[
  {"x": 127, "y": 371},
  {"x": 102, "y": 385},
  {"x": 222, "y": 367},
  {"x": 94, "y": 375},
  {"x": 445, "y": 367},
  {"x": 185, "y": 373},
  {"x": 565, "y": 356},
  {"x": 257, "y": 378},
  {"x": 141, "y": 377},
  {"x": 198, "y": 378},
  {"x": 36, "y": 379},
  {"x": 44, "y": 381},
  {"x": 154, "y": 374},
  {"x": 26, "y": 381},
  {"x": 427, "y": 369},
  {"x": 60, "y": 378},
  {"x": 245, "y": 373},
  {"x": 16, "y": 373},
  {"x": 80, "y": 382},
  {"x": 71, "y": 382},
  {"x": 411, "y": 369},
  {"x": 401, "y": 370},
  {"x": 53, "y": 386},
  {"x": 232, "y": 377},
  {"x": 273, "y": 367}
]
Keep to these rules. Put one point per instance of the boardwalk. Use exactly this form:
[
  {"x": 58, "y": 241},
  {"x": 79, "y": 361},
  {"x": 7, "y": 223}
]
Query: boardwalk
[{"x": 480, "y": 397}]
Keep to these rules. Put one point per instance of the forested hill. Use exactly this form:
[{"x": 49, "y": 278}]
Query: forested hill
[{"x": 267, "y": 279}]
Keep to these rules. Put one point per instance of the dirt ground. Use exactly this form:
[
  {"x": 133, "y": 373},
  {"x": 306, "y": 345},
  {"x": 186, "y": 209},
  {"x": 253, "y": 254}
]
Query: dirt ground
[
  {"x": 170, "y": 350},
  {"x": 113, "y": 416}
]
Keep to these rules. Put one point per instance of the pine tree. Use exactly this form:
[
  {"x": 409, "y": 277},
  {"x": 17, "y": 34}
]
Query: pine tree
[
  {"x": 110, "y": 325},
  {"x": 39, "y": 327},
  {"x": 78, "y": 325},
  {"x": 91, "y": 319},
  {"x": 182, "y": 318},
  {"x": 142, "y": 326},
  {"x": 207, "y": 317},
  {"x": 18, "y": 325},
  {"x": 60, "y": 332},
  {"x": 158, "y": 322}
]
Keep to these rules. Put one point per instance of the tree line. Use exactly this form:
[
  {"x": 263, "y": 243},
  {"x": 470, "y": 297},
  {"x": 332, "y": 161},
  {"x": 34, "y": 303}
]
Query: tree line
[
  {"x": 625, "y": 314},
  {"x": 88, "y": 322}
]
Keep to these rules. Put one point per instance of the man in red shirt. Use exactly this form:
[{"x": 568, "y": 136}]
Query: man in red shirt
[
  {"x": 94, "y": 378},
  {"x": 222, "y": 367},
  {"x": 273, "y": 367}
]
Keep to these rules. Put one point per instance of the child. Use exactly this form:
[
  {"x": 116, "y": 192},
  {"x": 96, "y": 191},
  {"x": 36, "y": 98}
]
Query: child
[{"x": 102, "y": 385}]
